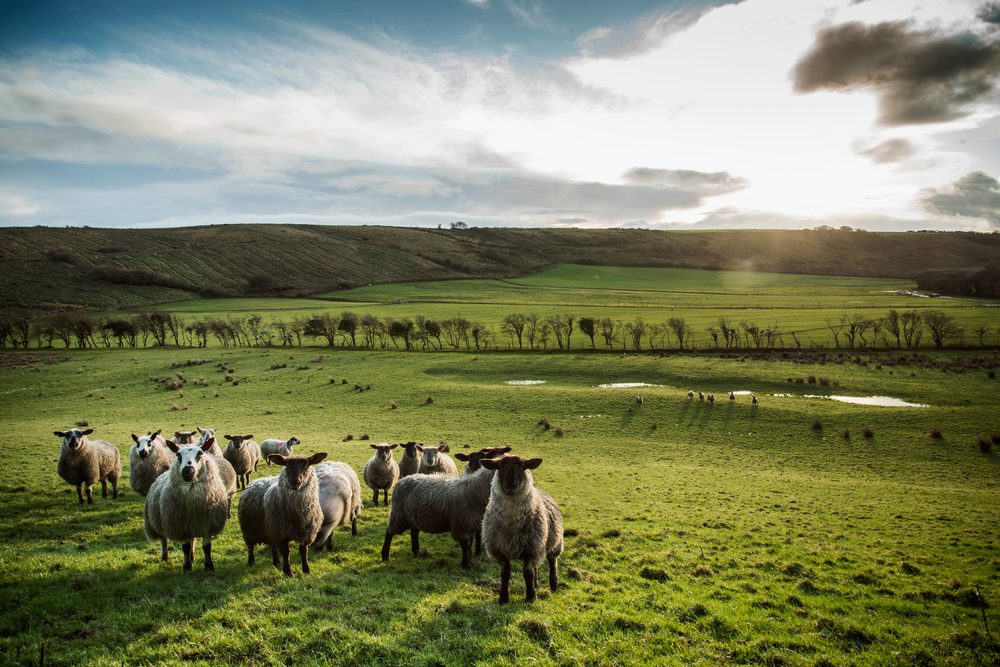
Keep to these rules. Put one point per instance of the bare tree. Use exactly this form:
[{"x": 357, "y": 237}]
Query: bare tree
[
  {"x": 682, "y": 331},
  {"x": 609, "y": 331},
  {"x": 942, "y": 326},
  {"x": 892, "y": 325},
  {"x": 982, "y": 330},
  {"x": 911, "y": 324},
  {"x": 589, "y": 328},
  {"x": 513, "y": 325}
]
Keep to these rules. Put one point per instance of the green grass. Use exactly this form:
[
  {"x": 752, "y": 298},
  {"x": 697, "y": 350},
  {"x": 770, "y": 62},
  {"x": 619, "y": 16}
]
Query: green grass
[{"x": 727, "y": 534}]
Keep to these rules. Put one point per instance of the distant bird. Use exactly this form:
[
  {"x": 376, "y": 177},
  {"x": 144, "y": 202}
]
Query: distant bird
[
  {"x": 690, "y": 394},
  {"x": 732, "y": 396},
  {"x": 754, "y": 401}
]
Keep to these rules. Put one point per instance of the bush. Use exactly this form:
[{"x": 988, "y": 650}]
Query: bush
[
  {"x": 985, "y": 446},
  {"x": 868, "y": 433},
  {"x": 845, "y": 434},
  {"x": 348, "y": 437},
  {"x": 559, "y": 431},
  {"x": 61, "y": 256},
  {"x": 141, "y": 277},
  {"x": 935, "y": 433},
  {"x": 817, "y": 425},
  {"x": 545, "y": 423},
  {"x": 811, "y": 379}
]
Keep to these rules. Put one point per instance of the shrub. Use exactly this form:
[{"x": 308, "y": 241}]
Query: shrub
[
  {"x": 985, "y": 446},
  {"x": 811, "y": 379},
  {"x": 824, "y": 381},
  {"x": 364, "y": 436},
  {"x": 141, "y": 277},
  {"x": 935, "y": 433},
  {"x": 348, "y": 437},
  {"x": 545, "y": 423},
  {"x": 845, "y": 434},
  {"x": 995, "y": 438},
  {"x": 430, "y": 399},
  {"x": 817, "y": 425},
  {"x": 868, "y": 433},
  {"x": 559, "y": 431},
  {"x": 61, "y": 256}
]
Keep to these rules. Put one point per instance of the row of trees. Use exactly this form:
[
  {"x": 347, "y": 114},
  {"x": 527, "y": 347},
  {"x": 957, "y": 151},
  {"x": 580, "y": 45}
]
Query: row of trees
[{"x": 516, "y": 331}]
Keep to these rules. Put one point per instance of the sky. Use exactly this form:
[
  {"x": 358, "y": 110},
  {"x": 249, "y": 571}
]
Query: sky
[{"x": 671, "y": 114}]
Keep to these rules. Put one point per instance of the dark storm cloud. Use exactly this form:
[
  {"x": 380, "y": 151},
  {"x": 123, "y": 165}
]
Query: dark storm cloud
[
  {"x": 705, "y": 183},
  {"x": 989, "y": 12},
  {"x": 891, "y": 150},
  {"x": 975, "y": 195},
  {"x": 920, "y": 76}
]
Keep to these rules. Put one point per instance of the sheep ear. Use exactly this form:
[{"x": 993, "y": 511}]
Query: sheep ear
[
  {"x": 420, "y": 448},
  {"x": 490, "y": 464},
  {"x": 373, "y": 446},
  {"x": 276, "y": 459},
  {"x": 87, "y": 432},
  {"x": 442, "y": 447},
  {"x": 207, "y": 445},
  {"x": 228, "y": 437},
  {"x": 157, "y": 432},
  {"x": 135, "y": 437},
  {"x": 178, "y": 434},
  {"x": 58, "y": 434},
  {"x": 393, "y": 446},
  {"x": 248, "y": 437},
  {"x": 316, "y": 458},
  {"x": 504, "y": 450},
  {"x": 462, "y": 457},
  {"x": 173, "y": 446},
  {"x": 531, "y": 464},
  {"x": 199, "y": 429}
]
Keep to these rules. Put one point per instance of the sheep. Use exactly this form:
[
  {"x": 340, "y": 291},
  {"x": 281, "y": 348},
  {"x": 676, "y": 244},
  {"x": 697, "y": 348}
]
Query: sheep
[
  {"x": 276, "y": 510},
  {"x": 732, "y": 396},
  {"x": 409, "y": 464},
  {"x": 753, "y": 400},
  {"x": 184, "y": 437},
  {"x": 381, "y": 472},
  {"x": 272, "y": 446},
  {"x": 206, "y": 435},
  {"x": 340, "y": 499},
  {"x": 433, "y": 460},
  {"x": 690, "y": 395},
  {"x": 84, "y": 462},
  {"x": 701, "y": 396},
  {"x": 639, "y": 401},
  {"x": 244, "y": 455},
  {"x": 191, "y": 500},
  {"x": 711, "y": 399},
  {"x": 474, "y": 463},
  {"x": 439, "y": 504},
  {"x": 148, "y": 459},
  {"x": 521, "y": 522}
]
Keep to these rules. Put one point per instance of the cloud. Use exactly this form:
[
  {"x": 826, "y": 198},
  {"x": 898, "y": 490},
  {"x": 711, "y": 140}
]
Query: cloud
[
  {"x": 639, "y": 36},
  {"x": 706, "y": 183},
  {"x": 975, "y": 195},
  {"x": 532, "y": 14},
  {"x": 482, "y": 4},
  {"x": 919, "y": 76},
  {"x": 890, "y": 150},
  {"x": 989, "y": 12}
]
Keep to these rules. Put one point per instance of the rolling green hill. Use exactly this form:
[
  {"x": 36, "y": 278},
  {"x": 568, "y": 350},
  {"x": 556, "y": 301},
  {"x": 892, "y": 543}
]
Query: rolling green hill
[{"x": 57, "y": 268}]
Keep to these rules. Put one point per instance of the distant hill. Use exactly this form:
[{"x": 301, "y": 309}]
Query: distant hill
[{"x": 60, "y": 268}]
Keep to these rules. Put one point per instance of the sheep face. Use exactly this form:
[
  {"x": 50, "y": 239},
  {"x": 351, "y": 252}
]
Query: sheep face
[
  {"x": 512, "y": 473},
  {"x": 411, "y": 449},
  {"x": 429, "y": 455},
  {"x": 206, "y": 433},
  {"x": 297, "y": 469},
  {"x": 238, "y": 440},
  {"x": 475, "y": 458},
  {"x": 190, "y": 458},
  {"x": 144, "y": 443},
  {"x": 383, "y": 452},
  {"x": 73, "y": 438},
  {"x": 184, "y": 437}
]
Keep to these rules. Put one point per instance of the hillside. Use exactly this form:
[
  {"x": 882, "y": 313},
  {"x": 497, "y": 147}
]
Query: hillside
[{"x": 56, "y": 268}]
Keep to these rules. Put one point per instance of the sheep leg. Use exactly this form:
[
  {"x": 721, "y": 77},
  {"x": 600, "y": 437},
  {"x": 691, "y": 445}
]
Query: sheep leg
[
  {"x": 376, "y": 498},
  {"x": 385, "y": 497},
  {"x": 415, "y": 541},
  {"x": 553, "y": 575},
  {"x": 114, "y": 484},
  {"x": 479, "y": 541},
  {"x": 206, "y": 547},
  {"x": 274, "y": 556},
  {"x": 79, "y": 492},
  {"x": 250, "y": 557},
  {"x": 104, "y": 488},
  {"x": 505, "y": 581},
  {"x": 188, "y": 548},
  {"x": 286, "y": 568},
  {"x": 354, "y": 525},
  {"x": 304, "y": 557},
  {"x": 530, "y": 579},
  {"x": 466, "y": 545},
  {"x": 385, "y": 546},
  {"x": 90, "y": 494},
  {"x": 163, "y": 549}
]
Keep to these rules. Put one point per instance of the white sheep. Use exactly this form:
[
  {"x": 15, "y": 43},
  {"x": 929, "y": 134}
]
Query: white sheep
[
  {"x": 277, "y": 510},
  {"x": 244, "y": 455},
  {"x": 701, "y": 396},
  {"x": 434, "y": 461},
  {"x": 711, "y": 399},
  {"x": 639, "y": 401},
  {"x": 381, "y": 472},
  {"x": 148, "y": 459},
  {"x": 690, "y": 394},
  {"x": 340, "y": 499},
  {"x": 521, "y": 523},
  {"x": 207, "y": 434},
  {"x": 190, "y": 501},
  {"x": 273, "y": 446},
  {"x": 753, "y": 400},
  {"x": 84, "y": 462}
]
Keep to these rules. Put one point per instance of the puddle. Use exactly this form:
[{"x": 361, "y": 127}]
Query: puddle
[
  {"x": 881, "y": 401},
  {"x": 742, "y": 392},
  {"x": 592, "y": 416},
  {"x": 525, "y": 382},
  {"x": 626, "y": 385}
]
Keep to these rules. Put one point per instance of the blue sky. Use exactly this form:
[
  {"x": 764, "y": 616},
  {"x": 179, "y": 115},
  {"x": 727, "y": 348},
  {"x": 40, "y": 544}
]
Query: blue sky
[{"x": 880, "y": 114}]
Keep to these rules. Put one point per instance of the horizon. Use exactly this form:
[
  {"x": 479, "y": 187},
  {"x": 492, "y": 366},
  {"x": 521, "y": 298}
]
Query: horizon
[{"x": 879, "y": 115}]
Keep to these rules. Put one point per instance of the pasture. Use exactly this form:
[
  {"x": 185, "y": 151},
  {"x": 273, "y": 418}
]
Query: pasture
[{"x": 696, "y": 534}]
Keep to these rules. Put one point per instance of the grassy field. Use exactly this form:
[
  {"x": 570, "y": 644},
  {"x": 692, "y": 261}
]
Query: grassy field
[
  {"x": 800, "y": 303},
  {"x": 696, "y": 534}
]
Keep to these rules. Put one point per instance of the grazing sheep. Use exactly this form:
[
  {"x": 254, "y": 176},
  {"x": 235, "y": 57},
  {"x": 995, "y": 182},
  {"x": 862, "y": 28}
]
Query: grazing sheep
[
  {"x": 433, "y": 461},
  {"x": 184, "y": 437},
  {"x": 753, "y": 400},
  {"x": 439, "y": 504},
  {"x": 410, "y": 463},
  {"x": 701, "y": 396},
  {"x": 381, "y": 472},
  {"x": 276, "y": 510},
  {"x": 691, "y": 394},
  {"x": 711, "y": 399},
  {"x": 84, "y": 462},
  {"x": 638, "y": 400},
  {"x": 148, "y": 459},
  {"x": 340, "y": 499},
  {"x": 732, "y": 396},
  {"x": 272, "y": 446},
  {"x": 206, "y": 435},
  {"x": 522, "y": 523},
  {"x": 191, "y": 500},
  {"x": 244, "y": 455}
]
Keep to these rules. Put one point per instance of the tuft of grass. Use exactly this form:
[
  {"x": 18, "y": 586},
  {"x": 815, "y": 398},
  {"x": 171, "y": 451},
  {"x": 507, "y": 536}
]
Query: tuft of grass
[
  {"x": 868, "y": 432},
  {"x": 985, "y": 445},
  {"x": 935, "y": 433},
  {"x": 845, "y": 433},
  {"x": 558, "y": 431},
  {"x": 817, "y": 424}
]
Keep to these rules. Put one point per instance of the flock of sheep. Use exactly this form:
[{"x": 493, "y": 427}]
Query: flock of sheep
[{"x": 189, "y": 482}]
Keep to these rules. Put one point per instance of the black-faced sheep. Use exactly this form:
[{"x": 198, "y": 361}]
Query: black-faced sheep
[
  {"x": 244, "y": 455},
  {"x": 409, "y": 464},
  {"x": 148, "y": 459},
  {"x": 184, "y": 437},
  {"x": 381, "y": 472},
  {"x": 434, "y": 461},
  {"x": 84, "y": 462},
  {"x": 277, "y": 510},
  {"x": 521, "y": 523},
  {"x": 273, "y": 446},
  {"x": 190, "y": 501},
  {"x": 754, "y": 400},
  {"x": 340, "y": 499}
]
